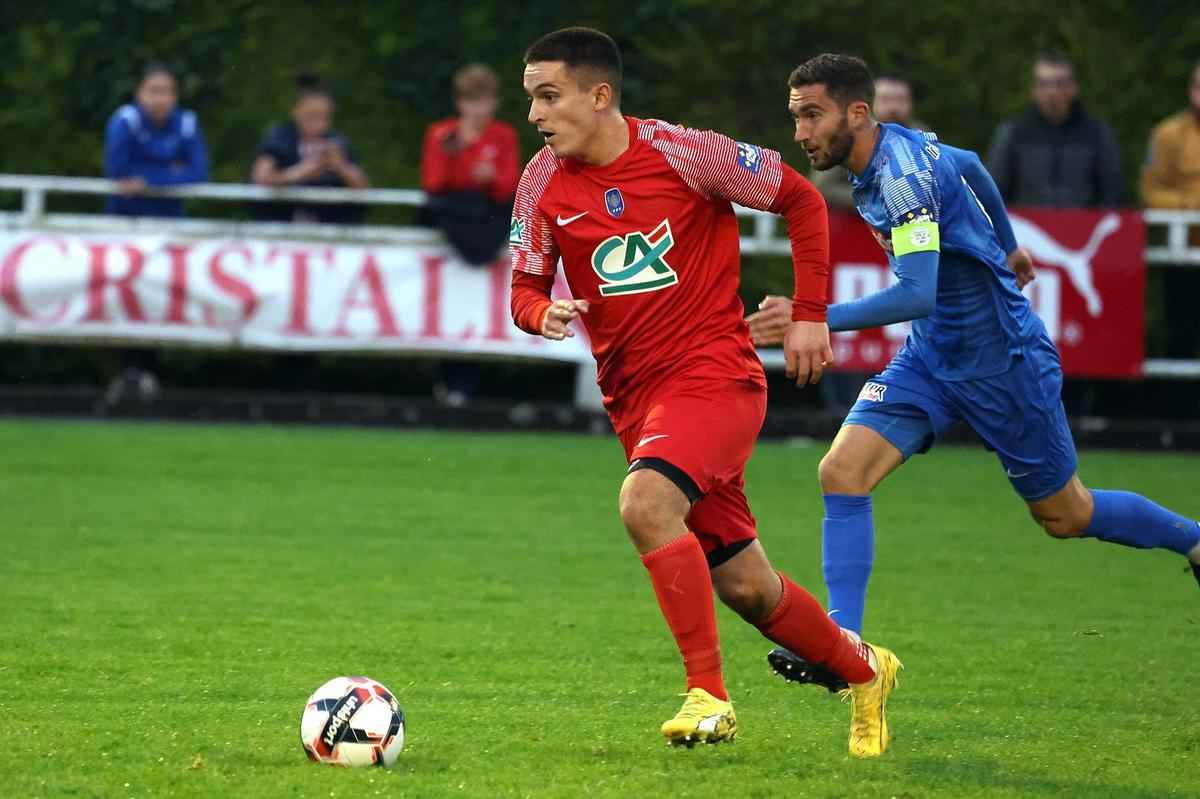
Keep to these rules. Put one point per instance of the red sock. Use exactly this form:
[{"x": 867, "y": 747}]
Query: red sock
[
  {"x": 683, "y": 585},
  {"x": 801, "y": 624}
]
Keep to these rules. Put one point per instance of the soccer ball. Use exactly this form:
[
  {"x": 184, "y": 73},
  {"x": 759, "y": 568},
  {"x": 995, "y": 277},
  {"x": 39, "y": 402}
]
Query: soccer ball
[{"x": 352, "y": 721}]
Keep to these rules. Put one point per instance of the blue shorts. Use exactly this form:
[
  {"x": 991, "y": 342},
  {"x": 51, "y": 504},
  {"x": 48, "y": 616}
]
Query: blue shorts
[{"x": 1019, "y": 414}]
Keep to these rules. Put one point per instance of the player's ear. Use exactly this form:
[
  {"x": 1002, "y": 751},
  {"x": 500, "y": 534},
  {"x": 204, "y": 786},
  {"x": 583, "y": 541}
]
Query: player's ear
[
  {"x": 858, "y": 113},
  {"x": 601, "y": 97}
]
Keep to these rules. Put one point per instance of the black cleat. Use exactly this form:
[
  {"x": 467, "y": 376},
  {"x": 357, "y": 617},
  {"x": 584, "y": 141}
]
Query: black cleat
[
  {"x": 793, "y": 668},
  {"x": 1196, "y": 571}
]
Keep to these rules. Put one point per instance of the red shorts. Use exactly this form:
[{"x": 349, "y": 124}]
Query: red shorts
[{"x": 707, "y": 430}]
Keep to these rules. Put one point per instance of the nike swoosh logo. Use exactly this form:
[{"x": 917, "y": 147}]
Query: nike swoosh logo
[
  {"x": 648, "y": 439},
  {"x": 568, "y": 220},
  {"x": 1010, "y": 473}
]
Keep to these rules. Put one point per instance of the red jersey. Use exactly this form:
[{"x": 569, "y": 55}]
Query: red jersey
[
  {"x": 652, "y": 243},
  {"x": 447, "y": 165}
]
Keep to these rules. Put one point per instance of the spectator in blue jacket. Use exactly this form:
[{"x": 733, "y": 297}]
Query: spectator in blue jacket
[{"x": 152, "y": 142}]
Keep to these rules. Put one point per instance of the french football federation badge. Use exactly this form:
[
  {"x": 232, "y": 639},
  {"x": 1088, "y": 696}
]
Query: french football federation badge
[{"x": 614, "y": 202}]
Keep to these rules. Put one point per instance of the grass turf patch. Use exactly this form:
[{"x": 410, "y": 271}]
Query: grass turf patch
[{"x": 172, "y": 595}]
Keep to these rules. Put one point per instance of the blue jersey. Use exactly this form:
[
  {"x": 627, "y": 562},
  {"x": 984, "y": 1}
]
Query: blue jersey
[{"x": 980, "y": 319}]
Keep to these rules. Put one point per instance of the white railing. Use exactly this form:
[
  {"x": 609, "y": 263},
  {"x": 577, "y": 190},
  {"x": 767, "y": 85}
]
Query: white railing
[{"x": 763, "y": 240}]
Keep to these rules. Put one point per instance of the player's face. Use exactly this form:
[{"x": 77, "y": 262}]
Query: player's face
[
  {"x": 562, "y": 110},
  {"x": 157, "y": 96},
  {"x": 822, "y": 127}
]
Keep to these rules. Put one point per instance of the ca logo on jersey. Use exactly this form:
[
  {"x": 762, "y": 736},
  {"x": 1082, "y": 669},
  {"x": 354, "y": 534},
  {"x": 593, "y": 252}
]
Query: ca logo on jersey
[{"x": 635, "y": 262}]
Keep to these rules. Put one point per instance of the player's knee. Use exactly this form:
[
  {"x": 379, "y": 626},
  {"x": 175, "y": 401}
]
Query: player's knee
[
  {"x": 641, "y": 514},
  {"x": 745, "y": 597},
  {"x": 839, "y": 474},
  {"x": 1070, "y": 516},
  {"x": 1064, "y": 525}
]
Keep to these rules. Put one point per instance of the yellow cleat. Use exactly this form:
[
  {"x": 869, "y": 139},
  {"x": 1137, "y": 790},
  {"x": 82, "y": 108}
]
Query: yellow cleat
[
  {"x": 702, "y": 719},
  {"x": 869, "y": 734}
]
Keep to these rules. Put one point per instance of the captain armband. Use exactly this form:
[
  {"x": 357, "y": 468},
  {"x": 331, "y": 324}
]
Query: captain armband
[{"x": 916, "y": 234}]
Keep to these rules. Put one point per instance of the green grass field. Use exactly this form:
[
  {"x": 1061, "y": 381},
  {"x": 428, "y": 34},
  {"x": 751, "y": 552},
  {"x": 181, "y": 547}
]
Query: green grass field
[{"x": 172, "y": 594}]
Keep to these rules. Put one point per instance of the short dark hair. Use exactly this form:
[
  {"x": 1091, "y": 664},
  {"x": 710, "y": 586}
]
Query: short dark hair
[
  {"x": 585, "y": 48},
  {"x": 156, "y": 68},
  {"x": 309, "y": 84},
  {"x": 846, "y": 78}
]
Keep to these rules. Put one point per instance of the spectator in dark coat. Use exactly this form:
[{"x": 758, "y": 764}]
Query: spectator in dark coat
[
  {"x": 1056, "y": 154},
  {"x": 307, "y": 151}
]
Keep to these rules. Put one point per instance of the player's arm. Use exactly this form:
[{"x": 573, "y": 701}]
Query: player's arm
[
  {"x": 913, "y": 297},
  {"x": 806, "y": 346},
  {"x": 534, "y": 262},
  {"x": 912, "y": 200},
  {"x": 756, "y": 177},
  {"x": 980, "y": 181},
  {"x": 984, "y": 186}
]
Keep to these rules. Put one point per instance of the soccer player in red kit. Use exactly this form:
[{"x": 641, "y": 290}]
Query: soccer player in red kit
[{"x": 639, "y": 212}]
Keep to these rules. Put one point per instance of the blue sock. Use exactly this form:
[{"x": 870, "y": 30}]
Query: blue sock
[
  {"x": 848, "y": 533},
  {"x": 1122, "y": 517}
]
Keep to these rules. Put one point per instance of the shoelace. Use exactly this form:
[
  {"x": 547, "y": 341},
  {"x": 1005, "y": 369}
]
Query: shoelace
[{"x": 692, "y": 708}]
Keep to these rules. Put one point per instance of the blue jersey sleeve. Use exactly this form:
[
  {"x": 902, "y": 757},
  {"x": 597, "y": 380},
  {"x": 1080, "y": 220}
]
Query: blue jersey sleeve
[
  {"x": 981, "y": 184},
  {"x": 913, "y": 297},
  {"x": 908, "y": 186},
  {"x": 118, "y": 146}
]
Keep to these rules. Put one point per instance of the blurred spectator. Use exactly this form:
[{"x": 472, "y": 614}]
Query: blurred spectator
[
  {"x": 1171, "y": 175},
  {"x": 1056, "y": 155},
  {"x": 893, "y": 103},
  {"x": 470, "y": 165},
  {"x": 152, "y": 142},
  {"x": 149, "y": 142},
  {"x": 306, "y": 151},
  {"x": 1171, "y": 179}
]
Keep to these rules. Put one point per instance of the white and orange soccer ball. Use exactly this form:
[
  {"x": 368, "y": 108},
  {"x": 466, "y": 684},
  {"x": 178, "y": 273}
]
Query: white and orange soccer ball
[{"x": 352, "y": 721}]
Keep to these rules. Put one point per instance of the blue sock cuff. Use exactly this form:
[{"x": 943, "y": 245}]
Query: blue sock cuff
[
  {"x": 842, "y": 506},
  {"x": 1102, "y": 511}
]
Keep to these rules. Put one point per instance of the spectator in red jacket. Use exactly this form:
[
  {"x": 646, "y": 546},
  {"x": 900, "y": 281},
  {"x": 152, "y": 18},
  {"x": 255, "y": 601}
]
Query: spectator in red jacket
[{"x": 470, "y": 165}]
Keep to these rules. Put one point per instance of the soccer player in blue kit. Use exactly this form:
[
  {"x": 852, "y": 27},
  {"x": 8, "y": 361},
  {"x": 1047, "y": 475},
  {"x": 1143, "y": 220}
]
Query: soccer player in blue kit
[{"x": 977, "y": 352}]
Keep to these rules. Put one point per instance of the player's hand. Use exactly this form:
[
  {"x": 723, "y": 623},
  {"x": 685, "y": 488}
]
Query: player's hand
[
  {"x": 559, "y": 315},
  {"x": 883, "y": 241},
  {"x": 807, "y": 352},
  {"x": 770, "y": 323},
  {"x": 131, "y": 187},
  {"x": 1020, "y": 261}
]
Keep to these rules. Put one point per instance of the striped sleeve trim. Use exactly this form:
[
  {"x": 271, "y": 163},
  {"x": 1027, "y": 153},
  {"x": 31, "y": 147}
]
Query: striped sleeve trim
[
  {"x": 715, "y": 166},
  {"x": 531, "y": 238}
]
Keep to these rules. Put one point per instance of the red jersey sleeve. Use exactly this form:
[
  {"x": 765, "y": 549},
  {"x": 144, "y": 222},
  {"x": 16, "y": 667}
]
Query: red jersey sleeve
[
  {"x": 435, "y": 163},
  {"x": 530, "y": 299},
  {"x": 716, "y": 166},
  {"x": 530, "y": 235},
  {"x": 807, "y": 217}
]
